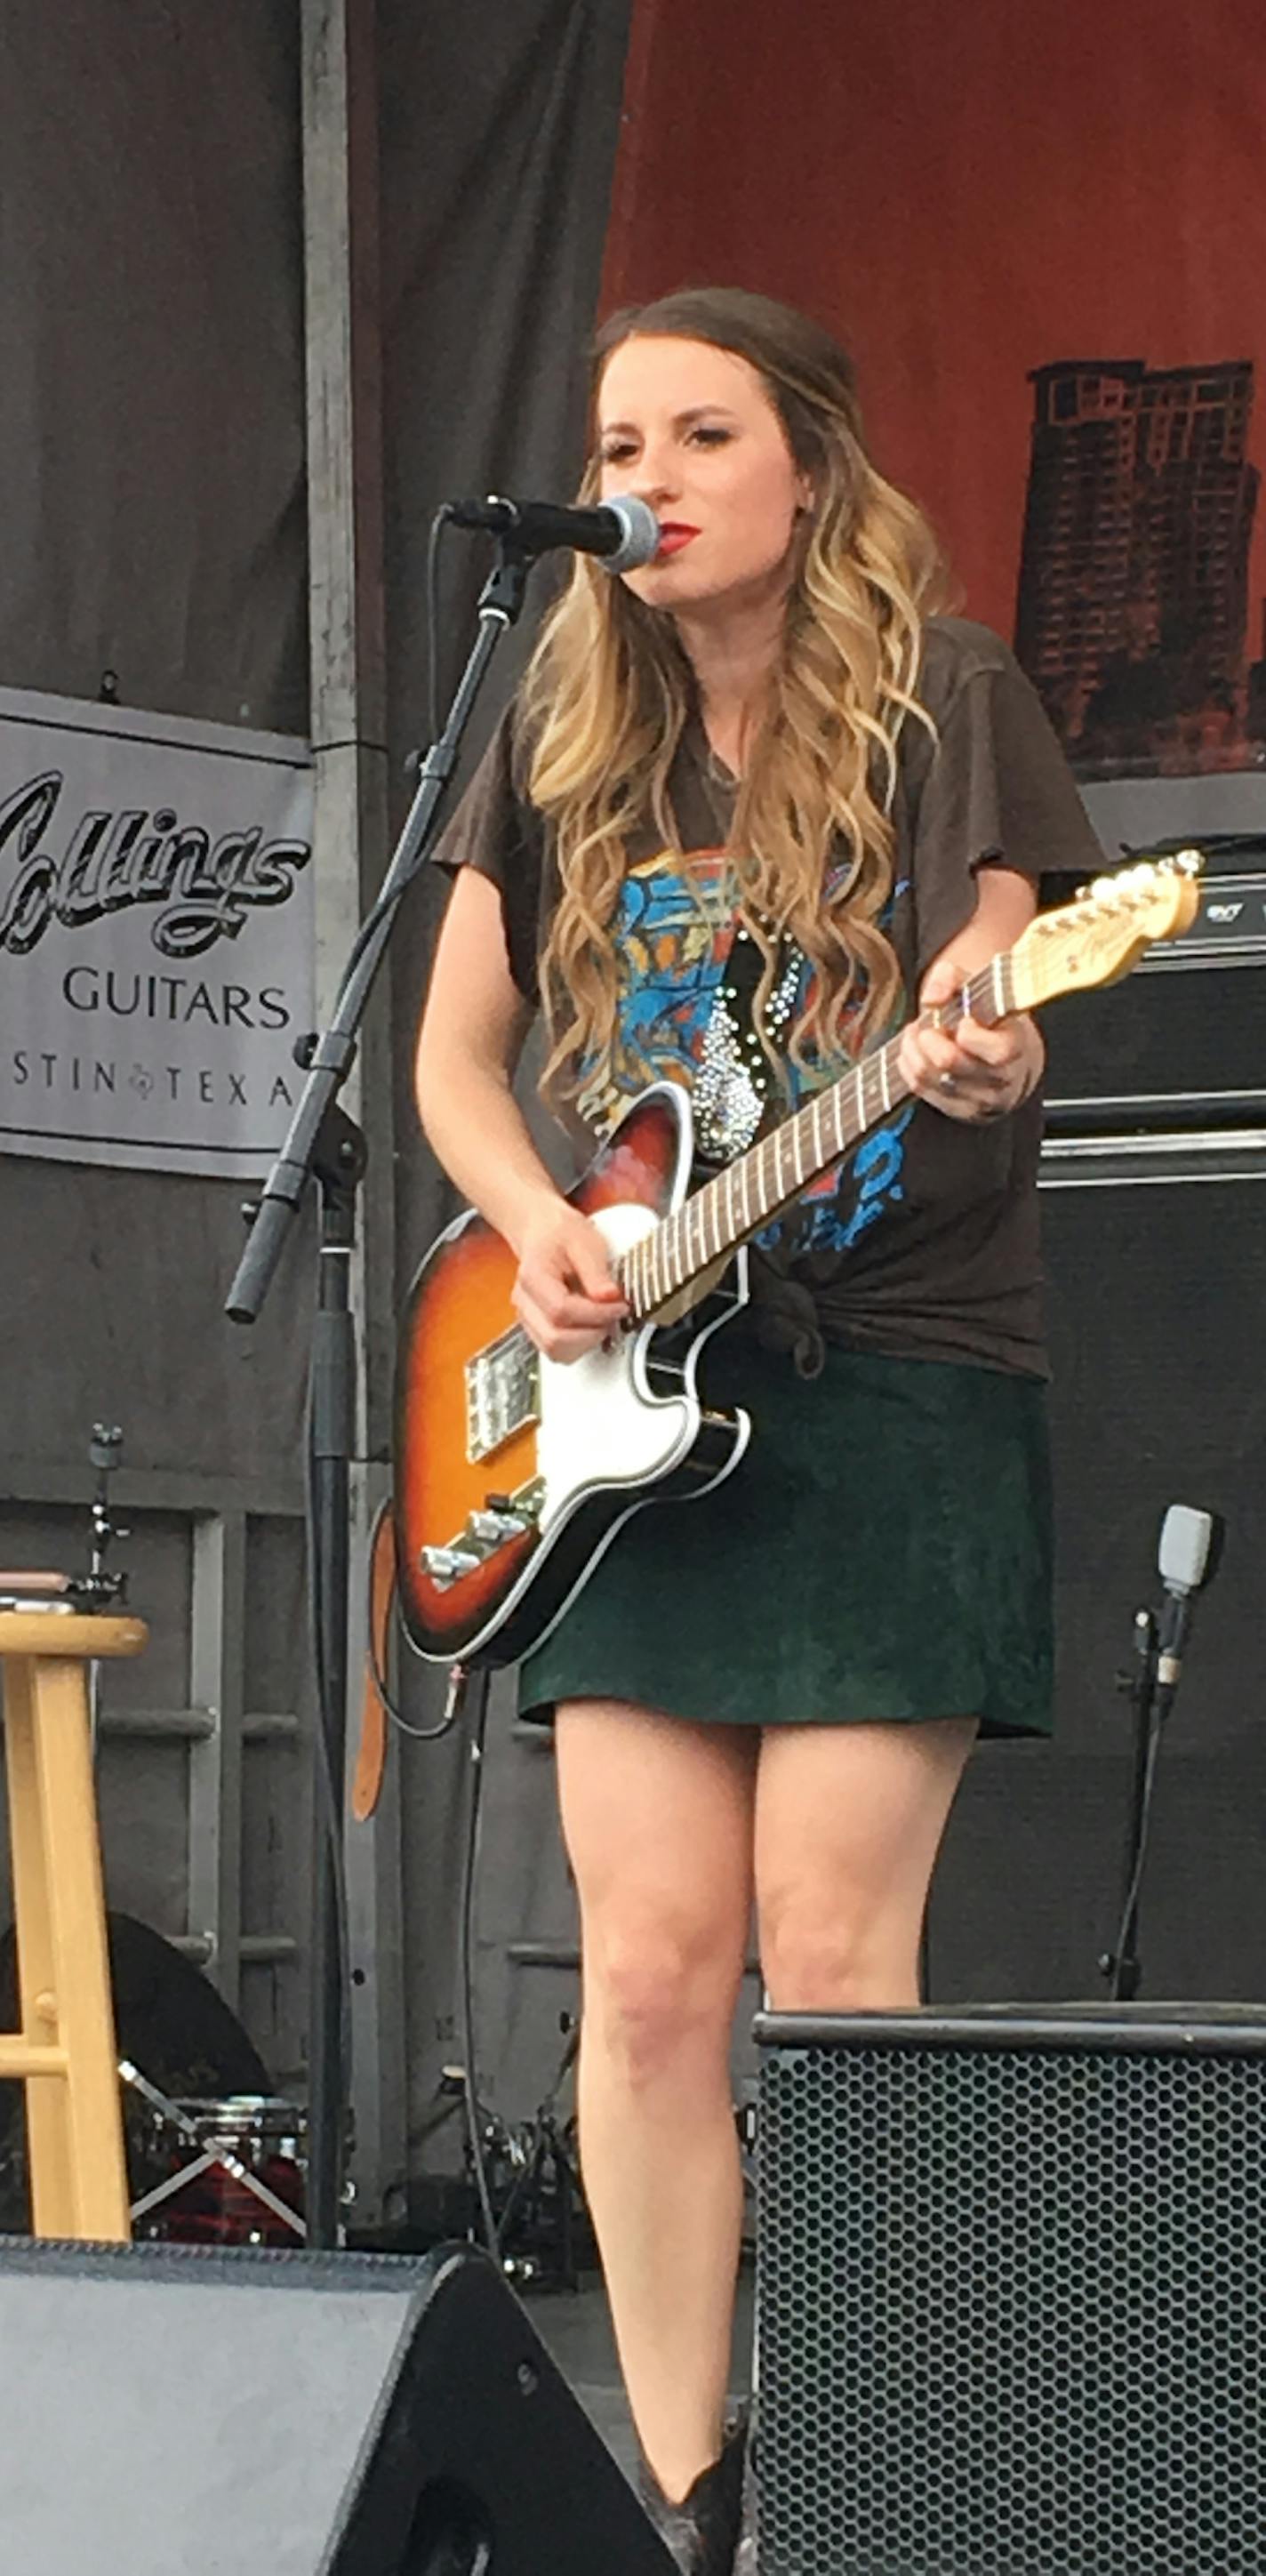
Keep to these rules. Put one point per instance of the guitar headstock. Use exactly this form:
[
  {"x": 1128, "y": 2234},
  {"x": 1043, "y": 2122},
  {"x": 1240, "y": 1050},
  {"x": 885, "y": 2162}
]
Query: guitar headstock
[{"x": 1103, "y": 934}]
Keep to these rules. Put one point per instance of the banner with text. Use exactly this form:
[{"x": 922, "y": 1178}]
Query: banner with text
[{"x": 156, "y": 936}]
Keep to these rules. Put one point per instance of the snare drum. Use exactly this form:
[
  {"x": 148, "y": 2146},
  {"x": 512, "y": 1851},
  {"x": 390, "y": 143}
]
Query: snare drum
[{"x": 222, "y": 2173}]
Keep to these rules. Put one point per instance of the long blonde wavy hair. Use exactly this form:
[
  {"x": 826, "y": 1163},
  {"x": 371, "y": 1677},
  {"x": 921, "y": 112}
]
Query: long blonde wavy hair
[{"x": 609, "y": 690}]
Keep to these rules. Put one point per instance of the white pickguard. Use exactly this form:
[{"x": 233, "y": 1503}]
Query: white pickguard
[{"x": 599, "y": 1425}]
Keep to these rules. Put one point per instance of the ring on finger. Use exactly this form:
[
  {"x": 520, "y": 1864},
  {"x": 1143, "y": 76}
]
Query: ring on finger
[{"x": 947, "y": 1081}]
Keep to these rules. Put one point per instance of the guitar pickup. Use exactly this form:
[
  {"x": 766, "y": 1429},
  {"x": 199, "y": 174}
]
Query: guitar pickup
[{"x": 502, "y": 1393}]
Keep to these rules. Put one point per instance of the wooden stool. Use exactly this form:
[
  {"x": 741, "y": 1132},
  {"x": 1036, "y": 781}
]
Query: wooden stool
[{"x": 65, "y": 2050}]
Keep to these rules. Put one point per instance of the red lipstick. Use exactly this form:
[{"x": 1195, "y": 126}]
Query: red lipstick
[{"x": 673, "y": 535}]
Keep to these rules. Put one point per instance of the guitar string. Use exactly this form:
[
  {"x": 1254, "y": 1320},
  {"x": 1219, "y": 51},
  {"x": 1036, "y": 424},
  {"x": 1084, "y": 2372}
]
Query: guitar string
[{"x": 664, "y": 1261}]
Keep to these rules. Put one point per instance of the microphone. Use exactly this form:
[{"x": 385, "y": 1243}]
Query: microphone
[
  {"x": 1190, "y": 1545},
  {"x": 623, "y": 533}
]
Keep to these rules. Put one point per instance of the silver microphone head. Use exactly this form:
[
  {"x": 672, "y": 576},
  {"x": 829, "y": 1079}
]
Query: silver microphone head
[
  {"x": 641, "y": 534},
  {"x": 1184, "y": 1547}
]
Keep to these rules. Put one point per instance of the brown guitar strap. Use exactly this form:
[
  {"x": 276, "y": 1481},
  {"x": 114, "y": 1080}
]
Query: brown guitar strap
[{"x": 371, "y": 1757}]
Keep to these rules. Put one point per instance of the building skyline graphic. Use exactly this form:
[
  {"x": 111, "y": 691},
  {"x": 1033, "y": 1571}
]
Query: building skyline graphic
[{"x": 1132, "y": 611}]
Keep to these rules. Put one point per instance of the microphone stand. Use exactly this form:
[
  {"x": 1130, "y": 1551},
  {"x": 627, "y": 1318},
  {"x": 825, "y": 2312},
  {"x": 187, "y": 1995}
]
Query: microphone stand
[
  {"x": 1123, "y": 1967},
  {"x": 1190, "y": 1551},
  {"x": 324, "y": 1144}
]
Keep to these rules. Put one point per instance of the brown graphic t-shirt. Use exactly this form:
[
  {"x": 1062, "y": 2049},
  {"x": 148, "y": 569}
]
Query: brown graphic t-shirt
[{"x": 923, "y": 1242}]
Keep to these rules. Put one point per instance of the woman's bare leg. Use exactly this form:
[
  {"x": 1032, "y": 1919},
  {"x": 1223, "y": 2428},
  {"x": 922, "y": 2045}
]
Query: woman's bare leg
[
  {"x": 849, "y": 1820},
  {"x": 657, "y": 1817}
]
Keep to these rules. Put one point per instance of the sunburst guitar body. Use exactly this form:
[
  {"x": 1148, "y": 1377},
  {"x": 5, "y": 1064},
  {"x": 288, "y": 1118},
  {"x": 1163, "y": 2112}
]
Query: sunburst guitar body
[{"x": 515, "y": 1472}]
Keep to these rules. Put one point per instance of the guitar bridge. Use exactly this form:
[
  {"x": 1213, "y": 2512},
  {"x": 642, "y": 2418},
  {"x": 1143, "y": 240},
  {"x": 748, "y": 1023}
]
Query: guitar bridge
[{"x": 502, "y": 1393}]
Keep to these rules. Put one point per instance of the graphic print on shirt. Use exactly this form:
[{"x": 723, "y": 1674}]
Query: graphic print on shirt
[{"x": 676, "y": 1022}]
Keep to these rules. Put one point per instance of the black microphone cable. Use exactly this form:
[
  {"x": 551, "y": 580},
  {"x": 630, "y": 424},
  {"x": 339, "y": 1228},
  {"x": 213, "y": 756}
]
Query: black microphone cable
[{"x": 443, "y": 518}]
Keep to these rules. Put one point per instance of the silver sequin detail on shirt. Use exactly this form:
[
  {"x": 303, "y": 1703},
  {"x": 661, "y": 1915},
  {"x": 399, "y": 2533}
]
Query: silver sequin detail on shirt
[{"x": 732, "y": 1082}]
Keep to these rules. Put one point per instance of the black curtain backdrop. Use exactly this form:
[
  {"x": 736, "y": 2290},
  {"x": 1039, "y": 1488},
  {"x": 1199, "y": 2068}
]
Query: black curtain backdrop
[
  {"x": 151, "y": 397},
  {"x": 499, "y": 130}
]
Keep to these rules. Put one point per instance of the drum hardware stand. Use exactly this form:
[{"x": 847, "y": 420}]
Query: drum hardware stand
[
  {"x": 95, "y": 1593},
  {"x": 98, "y": 1590},
  {"x": 328, "y": 1059},
  {"x": 203, "y": 2160},
  {"x": 537, "y": 2150},
  {"x": 473, "y": 1682},
  {"x": 540, "y": 2160},
  {"x": 544, "y": 2158}
]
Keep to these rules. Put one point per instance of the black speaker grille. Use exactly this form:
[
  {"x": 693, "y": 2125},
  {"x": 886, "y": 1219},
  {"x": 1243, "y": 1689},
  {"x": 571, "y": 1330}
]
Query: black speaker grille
[{"x": 1012, "y": 2311}]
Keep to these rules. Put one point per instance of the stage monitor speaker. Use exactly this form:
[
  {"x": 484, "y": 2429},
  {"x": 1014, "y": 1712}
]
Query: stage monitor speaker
[
  {"x": 1012, "y": 2293},
  {"x": 169, "y": 2411}
]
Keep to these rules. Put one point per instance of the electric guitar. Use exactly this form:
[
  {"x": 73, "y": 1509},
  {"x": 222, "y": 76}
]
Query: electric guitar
[{"x": 514, "y": 1472}]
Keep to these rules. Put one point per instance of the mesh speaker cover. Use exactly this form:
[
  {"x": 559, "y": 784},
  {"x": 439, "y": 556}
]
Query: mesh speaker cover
[{"x": 1012, "y": 2294}]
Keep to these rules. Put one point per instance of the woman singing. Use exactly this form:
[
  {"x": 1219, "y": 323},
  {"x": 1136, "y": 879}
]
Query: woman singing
[{"x": 757, "y": 805}]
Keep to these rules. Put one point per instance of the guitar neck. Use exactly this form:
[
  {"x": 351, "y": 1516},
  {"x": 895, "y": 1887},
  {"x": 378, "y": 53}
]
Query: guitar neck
[{"x": 746, "y": 1194}]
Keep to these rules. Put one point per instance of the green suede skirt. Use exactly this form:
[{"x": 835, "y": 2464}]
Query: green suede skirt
[{"x": 882, "y": 1551}]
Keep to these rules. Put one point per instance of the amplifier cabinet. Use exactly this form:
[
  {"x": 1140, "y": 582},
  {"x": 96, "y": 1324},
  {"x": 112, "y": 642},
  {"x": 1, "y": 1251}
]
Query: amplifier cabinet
[
  {"x": 1012, "y": 2293},
  {"x": 1155, "y": 1260},
  {"x": 1181, "y": 1041}
]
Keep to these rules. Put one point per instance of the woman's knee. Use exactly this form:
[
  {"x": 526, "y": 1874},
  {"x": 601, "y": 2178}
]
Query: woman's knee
[
  {"x": 838, "y": 1958},
  {"x": 659, "y": 1996}
]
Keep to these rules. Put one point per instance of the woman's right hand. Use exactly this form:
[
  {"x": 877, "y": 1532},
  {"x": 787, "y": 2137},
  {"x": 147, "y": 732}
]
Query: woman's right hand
[{"x": 565, "y": 1295}]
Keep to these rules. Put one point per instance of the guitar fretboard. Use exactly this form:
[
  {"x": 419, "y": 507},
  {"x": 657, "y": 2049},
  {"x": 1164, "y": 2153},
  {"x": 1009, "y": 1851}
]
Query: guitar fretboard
[{"x": 746, "y": 1194}]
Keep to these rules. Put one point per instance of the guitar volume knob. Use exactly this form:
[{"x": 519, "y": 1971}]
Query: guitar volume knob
[
  {"x": 447, "y": 1564},
  {"x": 492, "y": 1527}
]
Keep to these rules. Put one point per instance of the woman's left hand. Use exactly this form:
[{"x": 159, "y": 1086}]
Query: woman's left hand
[{"x": 977, "y": 1072}]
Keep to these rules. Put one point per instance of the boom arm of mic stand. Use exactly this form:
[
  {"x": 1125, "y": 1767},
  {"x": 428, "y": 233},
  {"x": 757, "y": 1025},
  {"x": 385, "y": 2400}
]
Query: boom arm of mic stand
[{"x": 334, "y": 1052}]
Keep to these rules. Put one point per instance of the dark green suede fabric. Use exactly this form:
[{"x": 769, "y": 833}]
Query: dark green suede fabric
[{"x": 882, "y": 1551}]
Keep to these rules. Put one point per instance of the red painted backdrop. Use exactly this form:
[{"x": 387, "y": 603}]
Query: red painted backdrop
[{"x": 964, "y": 193}]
